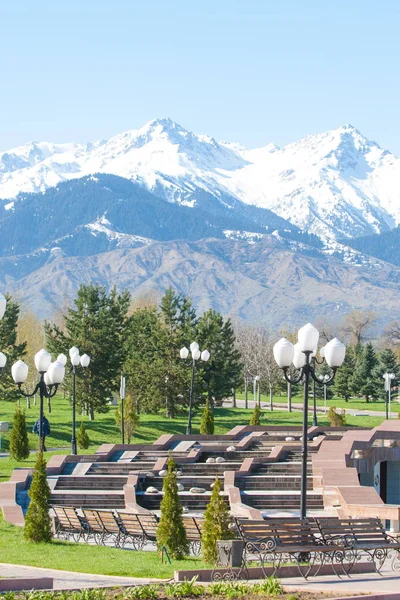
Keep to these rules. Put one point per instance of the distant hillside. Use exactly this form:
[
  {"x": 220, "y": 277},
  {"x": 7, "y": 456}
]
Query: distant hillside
[{"x": 385, "y": 246}]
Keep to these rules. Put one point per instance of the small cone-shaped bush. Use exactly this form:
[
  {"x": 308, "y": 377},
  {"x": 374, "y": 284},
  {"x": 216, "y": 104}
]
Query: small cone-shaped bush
[
  {"x": 37, "y": 520},
  {"x": 207, "y": 420},
  {"x": 19, "y": 444},
  {"x": 216, "y": 525},
  {"x": 82, "y": 438},
  {"x": 170, "y": 531},
  {"x": 255, "y": 418}
]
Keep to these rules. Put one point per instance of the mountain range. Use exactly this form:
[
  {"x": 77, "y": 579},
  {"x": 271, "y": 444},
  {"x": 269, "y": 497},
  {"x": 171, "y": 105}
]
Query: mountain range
[{"x": 271, "y": 234}]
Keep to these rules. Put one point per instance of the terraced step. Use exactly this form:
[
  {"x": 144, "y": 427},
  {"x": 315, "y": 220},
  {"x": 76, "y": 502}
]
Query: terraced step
[
  {"x": 94, "y": 482},
  {"x": 193, "y": 502},
  {"x": 281, "y": 501},
  {"x": 187, "y": 482},
  {"x": 88, "y": 500},
  {"x": 271, "y": 482}
]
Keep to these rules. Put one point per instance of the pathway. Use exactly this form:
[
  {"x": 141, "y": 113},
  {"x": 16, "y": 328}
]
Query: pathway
[{"x": 71, "y": 580}]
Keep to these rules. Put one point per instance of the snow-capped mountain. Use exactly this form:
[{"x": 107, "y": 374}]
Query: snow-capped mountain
[{"x": 335, "y": 184}]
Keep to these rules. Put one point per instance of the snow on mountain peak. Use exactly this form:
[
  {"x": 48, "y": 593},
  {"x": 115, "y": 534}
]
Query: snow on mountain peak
[{"x": 334, "y": 184}]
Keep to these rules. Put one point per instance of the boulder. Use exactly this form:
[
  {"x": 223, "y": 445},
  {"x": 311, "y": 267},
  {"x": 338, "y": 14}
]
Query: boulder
[
  {"x": 151, "y": 490},
  {"x": 149, "y": 475},
  {"x": 181, "y": 487},
  {"x": 290, "y": 439},
  {"x": 220, "y": 459},
  {"x": 210, "y": 460},
  {"x": 231, "y": 449},
  {"x": 179, "y": 473},
  {"x": 163, "y": 473},
  {"x": 185, "y": 509},
  {"x": 197, "y": 490}
]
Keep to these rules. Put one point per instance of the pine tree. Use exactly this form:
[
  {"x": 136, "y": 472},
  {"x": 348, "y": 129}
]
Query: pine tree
[
  {"x": 343, "y": 382},
  {"x": 171, "y": 533},
  {"x": 255, "y": 418},
  {"x": 11, "y": 348},
  {"x": 216, "y": 525},
  {"x": 19, "y": 444},
  {"x": 207, "y": 420},
  {"x": 365, "y": 382},
  {"x": 83, "y": 438},
  {"x": 96, "y": 325},
  {"x": 131, "y": 419},
  {"x": 37, "y": 521}
]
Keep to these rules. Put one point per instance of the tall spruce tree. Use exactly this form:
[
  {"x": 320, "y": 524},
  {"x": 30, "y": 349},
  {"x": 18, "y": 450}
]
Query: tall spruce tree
[
  {"x": 96, "y": 325},
  {"x": 224, "y": 370},
  {"x": 216, "y": 525},
  {"x": 207, "y": 420},
  {"x": 343, "y": 382},
  {"x": 11, "y": 348},
  {"x": 365, "y": 382},
  {"x": 19, "y": 443},
  {"x": 171, "y": 532},
  {"x": 37, "y": 521}
]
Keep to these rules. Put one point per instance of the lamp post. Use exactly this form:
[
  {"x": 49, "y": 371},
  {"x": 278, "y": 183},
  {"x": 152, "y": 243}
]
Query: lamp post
[
  {"x": 75, "y": 360},
  {"x": 300, "y": 354},
  {"x": 388, "y": 389},
  {"x": 196, "y": 354},
  {"x": 51, "y": 375},
  {"x": 3, "y": 357},
  {"x": 326, "y": 380}
]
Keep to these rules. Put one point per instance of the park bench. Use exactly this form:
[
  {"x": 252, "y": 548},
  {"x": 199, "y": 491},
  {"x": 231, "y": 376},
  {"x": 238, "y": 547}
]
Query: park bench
[
  {"x": 68, "y": 524},
  {"x": 136, "y": 528},
  {"x": 365, "y": 537},
  {"x": 103, "y": 526},
  {"x": 193, "y": 527},
  {"x": 276, "y": 542}
]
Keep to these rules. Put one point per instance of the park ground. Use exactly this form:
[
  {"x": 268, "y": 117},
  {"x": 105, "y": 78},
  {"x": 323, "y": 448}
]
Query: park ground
[{"x": 111, "y": 561}]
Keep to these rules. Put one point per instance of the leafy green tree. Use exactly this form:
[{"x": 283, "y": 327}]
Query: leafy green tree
[
  {"x": 171, "y": 532},
  {"x": 19, "y": 444},
  {"x": 207, "y": 420},
  {"x": 255, "y": 418},
  {"x": 131, "y": 419},
  {"x": 11, "y": 348},
  {"x": 365, "y": 382},
  {"x": 82, "y": 437},
  {"x": 224, "y": 369},
  {"x": 37, "y": 521},
  {"x": 96, "y": 325},
  {"x": 216, "y": 525},
  {"x": 343, "y": 382}
]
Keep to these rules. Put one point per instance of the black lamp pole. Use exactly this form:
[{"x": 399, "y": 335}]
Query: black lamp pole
[
  {"x": 189, "y": 423},
  {"x": 73, "y": 438},
  {"x": 306, "y": 371}
]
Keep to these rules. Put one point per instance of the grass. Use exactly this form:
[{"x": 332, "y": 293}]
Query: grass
[
  {"x": 14, "y": 549},
  {"x": 103, "y": 428},
  {"x": 353, "y": 403}
]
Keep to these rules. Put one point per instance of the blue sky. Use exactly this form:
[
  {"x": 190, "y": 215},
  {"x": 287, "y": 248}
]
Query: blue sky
[{"x": 252, "y": 71}]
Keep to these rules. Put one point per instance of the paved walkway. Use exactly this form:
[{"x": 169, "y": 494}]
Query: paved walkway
[
  {"x": 367, "y": 583},
  {"x": 69, "y": 579},
  {"x": 395, "y": 408}
]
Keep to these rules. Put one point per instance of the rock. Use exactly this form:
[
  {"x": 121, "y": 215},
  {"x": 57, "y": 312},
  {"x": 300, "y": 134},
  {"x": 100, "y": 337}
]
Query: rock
[
  {"x": 231, "y": 449},
  {"x": 163, "y": 473},
  {"x": 212, "y": 485},
  {"x": 181, "y": 487},
  {"x": 220, "y": 459},
  {"x": 210, "y": 460},
  {"x": 185, "y": 509},
  {"x": 197, "y": 490},
  {"x": 290, "y": 439},
  {"x": 150, "y": 475},
  {"x": 151, "y": 490},
  {"x": 179, "y": 473}
]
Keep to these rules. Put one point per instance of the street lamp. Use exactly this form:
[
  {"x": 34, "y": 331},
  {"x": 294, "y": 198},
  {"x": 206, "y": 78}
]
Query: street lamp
[
  {"x": 300, "y": 354},
  {"x": 75, "y": 360},
  {"x": 196, "y": 354},
  {"x": 388, "y": 389},
  {"x": 51, "y": 375}
]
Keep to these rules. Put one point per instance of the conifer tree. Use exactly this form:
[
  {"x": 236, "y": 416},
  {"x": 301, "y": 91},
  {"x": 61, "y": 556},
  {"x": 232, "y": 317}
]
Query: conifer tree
[
  {"x": 11, "y": 348},
  {"x": 343, "y": 382},
  {"x": 365, "y": 382},
  {"x": 19, "y": 444},
  {"x": 216, "y": 525},
  {"x": 170, "y": 531},
  {"x": 255, "y": 418},
  {"x": 131, "y": 419},
  {"x": 37, "y": 521},
  {"x": 207, "y": 420},
  {"x": 96, "y": 325},
  {"x": 82, "y": 437}
]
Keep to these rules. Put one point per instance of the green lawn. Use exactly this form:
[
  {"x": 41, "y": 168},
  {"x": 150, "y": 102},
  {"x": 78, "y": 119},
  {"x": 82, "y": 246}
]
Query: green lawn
[
  {"x": 85, "y": 559},
  {"x": 353, "y": 403}
]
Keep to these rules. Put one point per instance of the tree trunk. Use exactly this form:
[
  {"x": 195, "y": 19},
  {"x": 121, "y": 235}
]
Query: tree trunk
[
  {"x": 91, "y": 417},
  {"x": 246, "y": 394},
  {"x": 234, "y": 397},
  {"x": 271, "y": 398}
]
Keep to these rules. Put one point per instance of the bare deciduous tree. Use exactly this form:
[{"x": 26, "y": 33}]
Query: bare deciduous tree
[{"x": 356, "y": 325}]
